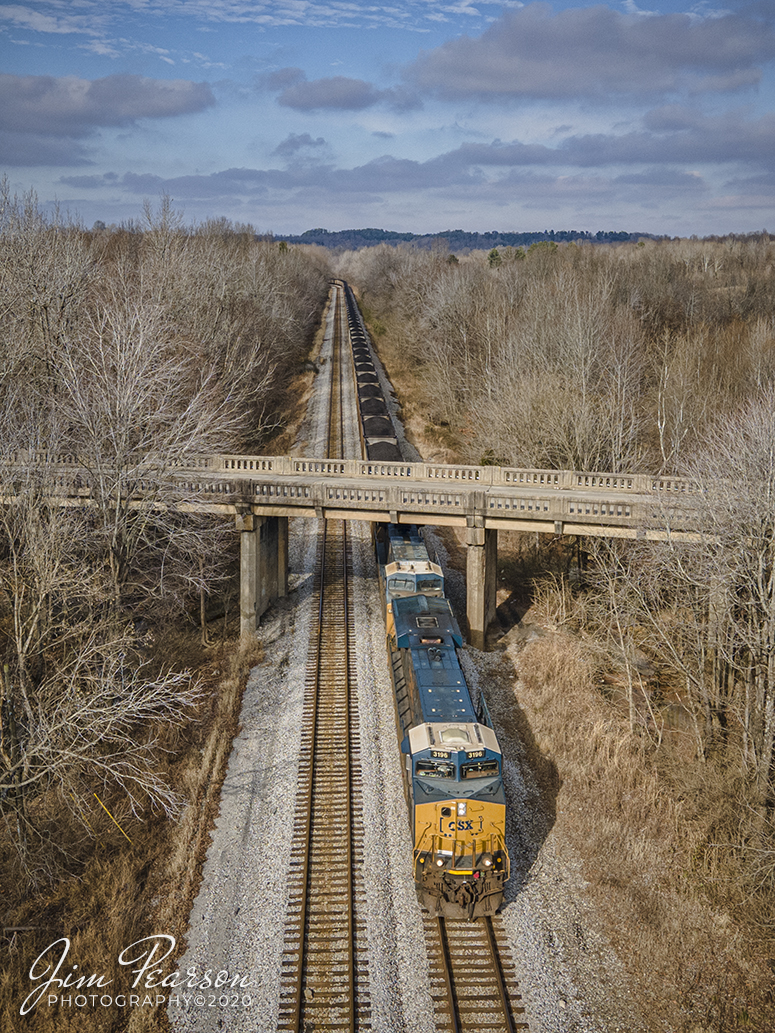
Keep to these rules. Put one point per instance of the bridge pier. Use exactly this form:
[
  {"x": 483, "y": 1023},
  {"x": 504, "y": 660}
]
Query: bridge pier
[
  {"x": 263, "y": 566},
  {"x": 481, "y": 581}
]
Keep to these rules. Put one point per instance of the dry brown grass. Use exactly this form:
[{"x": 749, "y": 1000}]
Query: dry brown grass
[{"x": 643, "y": 823}]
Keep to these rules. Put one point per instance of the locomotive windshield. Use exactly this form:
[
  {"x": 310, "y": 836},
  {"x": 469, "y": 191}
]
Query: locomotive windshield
[
  {"x": 401, "y": 584},
  {"x": 426, "y": 585},
  {"x": 480, "y": 769},
  {"x": 434, "y": 769}
]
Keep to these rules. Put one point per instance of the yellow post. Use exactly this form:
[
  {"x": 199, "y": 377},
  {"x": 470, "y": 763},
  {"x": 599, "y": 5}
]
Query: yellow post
[{"x": 102, "y": 805}]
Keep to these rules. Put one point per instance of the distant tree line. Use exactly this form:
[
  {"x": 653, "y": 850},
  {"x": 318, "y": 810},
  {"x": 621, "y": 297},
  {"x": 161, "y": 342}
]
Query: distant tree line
[{"x": 452, "y": 240}]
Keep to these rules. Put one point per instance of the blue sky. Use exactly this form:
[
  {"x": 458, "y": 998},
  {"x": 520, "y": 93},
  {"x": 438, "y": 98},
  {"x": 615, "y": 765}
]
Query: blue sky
[{"x": 413, "y": 115}]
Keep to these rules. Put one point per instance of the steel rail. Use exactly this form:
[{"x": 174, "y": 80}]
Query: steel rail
[
  {"x": 452, "y": 1004},
  {"x": 500, "y": 980},
  {"x": 474, "y": 986},
  {"x": 338, "y": 453}
]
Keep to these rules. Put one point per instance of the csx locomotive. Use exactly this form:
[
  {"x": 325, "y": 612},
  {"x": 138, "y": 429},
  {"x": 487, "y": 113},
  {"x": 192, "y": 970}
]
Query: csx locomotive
[{"x": 452, "y": 762}]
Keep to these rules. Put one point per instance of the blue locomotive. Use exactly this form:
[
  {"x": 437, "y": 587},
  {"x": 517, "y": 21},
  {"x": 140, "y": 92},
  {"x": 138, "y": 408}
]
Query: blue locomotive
[{"x": 452, "y": 761}]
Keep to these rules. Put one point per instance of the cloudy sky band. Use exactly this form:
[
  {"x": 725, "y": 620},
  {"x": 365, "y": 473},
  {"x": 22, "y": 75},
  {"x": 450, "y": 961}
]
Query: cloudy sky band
[{"x": 514, "y": 117}]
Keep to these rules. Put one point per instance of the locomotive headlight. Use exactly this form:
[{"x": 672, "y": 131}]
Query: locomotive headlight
[
  {"x": 440, "y": 862},
  {"x": 486, "y": 860},
  {"x": 462, "y": 807}
]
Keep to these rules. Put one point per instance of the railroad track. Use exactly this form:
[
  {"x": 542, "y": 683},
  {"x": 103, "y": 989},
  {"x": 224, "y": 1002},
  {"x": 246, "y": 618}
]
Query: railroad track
[
  {"x": 324, "y": 982},
  {"x": 473, "y": 982},
  {"x": 325, "y": 978}
]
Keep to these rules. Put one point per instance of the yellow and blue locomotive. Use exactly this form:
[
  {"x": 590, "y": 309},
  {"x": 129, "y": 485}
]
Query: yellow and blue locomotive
[{"x": 452, "y": 761}]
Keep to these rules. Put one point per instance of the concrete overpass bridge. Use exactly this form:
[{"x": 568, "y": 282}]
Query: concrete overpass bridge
[{"x": 262, "y": 492}]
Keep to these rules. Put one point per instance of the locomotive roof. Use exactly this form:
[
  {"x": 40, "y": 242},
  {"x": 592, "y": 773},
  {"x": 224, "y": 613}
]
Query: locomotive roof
[
  {"x": 405, "y": 532},
  {"x": 441, "y": 686},
  {"x": 422, "y": 616},
  {"x": 408, "y": 552},
  {"x": 406, "y": 543},
  {"x": 432, "y": 735}
]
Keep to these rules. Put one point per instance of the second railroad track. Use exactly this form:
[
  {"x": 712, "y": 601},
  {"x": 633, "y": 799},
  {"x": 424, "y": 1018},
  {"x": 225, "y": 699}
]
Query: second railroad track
[{"x": 325, "y": 968}]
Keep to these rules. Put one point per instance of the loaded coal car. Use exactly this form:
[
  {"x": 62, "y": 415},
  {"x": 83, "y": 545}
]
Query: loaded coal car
[
  {"x": 384, "y": 452},
  {"x": 378, "y": 435},
  {"x": 374, "y": 406},
  {"x": 452, "y": 761}
]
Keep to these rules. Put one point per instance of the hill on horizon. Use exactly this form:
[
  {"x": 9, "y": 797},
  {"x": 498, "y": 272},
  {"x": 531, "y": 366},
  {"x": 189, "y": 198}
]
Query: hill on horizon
[{"x": 455, "y": 240}]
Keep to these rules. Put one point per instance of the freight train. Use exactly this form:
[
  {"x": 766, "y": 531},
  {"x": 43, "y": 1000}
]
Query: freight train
[{"x": 452, "y": 769}]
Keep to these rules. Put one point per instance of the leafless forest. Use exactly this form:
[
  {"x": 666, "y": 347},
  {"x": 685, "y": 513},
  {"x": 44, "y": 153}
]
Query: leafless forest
[
  {"x": 130, "y": 350},
  {"x": 656, "y": 695}
]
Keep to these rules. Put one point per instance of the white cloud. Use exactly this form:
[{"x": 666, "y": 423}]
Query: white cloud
[
  {"x": 46, "y": 15},
  {"x": 40, "y": 110},
  {"x": 35, "y": 20},
  {"x": 338, "y": 92},
  {"x": 598, "y": 53}
]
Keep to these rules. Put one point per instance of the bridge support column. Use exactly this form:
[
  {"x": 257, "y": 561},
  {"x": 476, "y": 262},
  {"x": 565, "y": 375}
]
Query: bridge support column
[
  {"x": 481, "y": 582},
  {"x": 263, "y": 566},
  {"x": 282, "y": 556}
]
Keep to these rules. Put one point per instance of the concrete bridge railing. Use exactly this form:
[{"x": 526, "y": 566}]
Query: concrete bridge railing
[
  {"x": 448, "y": 473},
  {"x": 486, "y": 476}
]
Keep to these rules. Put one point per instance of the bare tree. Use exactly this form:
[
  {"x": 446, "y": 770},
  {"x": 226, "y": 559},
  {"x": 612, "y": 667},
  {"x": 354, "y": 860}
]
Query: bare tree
[
  {"x": 737, "y": 474},
  {"x": 127, "y": 356},
  {"x": 710, "y": 603},
  {"x": 77, "y": 707},
  {"x": 91, "y": 724},
  {"x": 137, "y": 406}
]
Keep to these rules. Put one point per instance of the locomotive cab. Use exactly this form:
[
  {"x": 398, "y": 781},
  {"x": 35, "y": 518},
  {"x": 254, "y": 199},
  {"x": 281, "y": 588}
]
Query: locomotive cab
[
  {"x": 405, "y": 569},
  {"x": 459, "y": 810}
]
